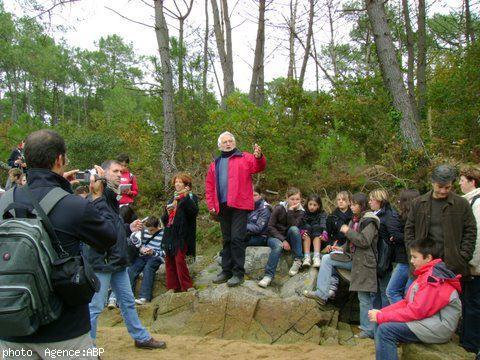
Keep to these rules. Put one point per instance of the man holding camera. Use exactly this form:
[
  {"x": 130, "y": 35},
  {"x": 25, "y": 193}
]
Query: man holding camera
[
  {"x": 75, "y": 220},
  {"x": 111, "y": 267}
]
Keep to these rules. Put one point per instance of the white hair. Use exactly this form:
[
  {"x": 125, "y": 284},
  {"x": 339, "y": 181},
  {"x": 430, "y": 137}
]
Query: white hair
[{"x": 219, "y": 141}]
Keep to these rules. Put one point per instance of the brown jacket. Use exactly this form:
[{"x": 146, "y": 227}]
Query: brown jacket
[
  {"x": 364, "y": 260},
  {"x": 459, "y": 229},
  {"x": 282, "y": 219}
]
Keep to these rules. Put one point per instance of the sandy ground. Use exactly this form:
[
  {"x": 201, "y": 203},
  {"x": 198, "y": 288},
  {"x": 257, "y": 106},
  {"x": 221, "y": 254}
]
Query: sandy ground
[{"x": 117, "y": 344}]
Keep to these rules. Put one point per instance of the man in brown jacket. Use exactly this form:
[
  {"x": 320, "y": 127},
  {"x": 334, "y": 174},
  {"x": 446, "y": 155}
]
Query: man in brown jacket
[{"x": 445, "y": 218}]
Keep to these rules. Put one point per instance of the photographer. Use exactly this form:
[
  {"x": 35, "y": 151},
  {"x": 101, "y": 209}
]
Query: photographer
[
  {"x": 16, "y": 159},
  {"x": 75, "y": 220},
  {"x": 111, "y": 268}
]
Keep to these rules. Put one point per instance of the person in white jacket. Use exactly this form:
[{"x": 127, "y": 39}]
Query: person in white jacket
[{"x": 469, "y": 335}]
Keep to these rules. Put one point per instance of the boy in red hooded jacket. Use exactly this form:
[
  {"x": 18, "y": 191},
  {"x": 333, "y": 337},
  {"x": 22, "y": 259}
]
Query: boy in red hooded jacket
[{"x": 431, "y": 308}]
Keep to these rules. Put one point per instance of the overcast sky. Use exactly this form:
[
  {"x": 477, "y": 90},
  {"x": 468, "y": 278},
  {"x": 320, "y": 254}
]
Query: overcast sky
[{"x": 88, "y": 20}]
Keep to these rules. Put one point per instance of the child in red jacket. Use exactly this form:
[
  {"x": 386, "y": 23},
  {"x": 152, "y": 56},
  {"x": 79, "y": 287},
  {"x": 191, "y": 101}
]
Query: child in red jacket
[{"x": 431, "y": 308}]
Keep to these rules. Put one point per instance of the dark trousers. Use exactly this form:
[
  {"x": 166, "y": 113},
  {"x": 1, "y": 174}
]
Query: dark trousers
[
  {"x": 149, "y": 266},
  {"x": 233, "y": 223},
  {"x": 178, "y": 276},
  {"x": 469, "y": 334}
]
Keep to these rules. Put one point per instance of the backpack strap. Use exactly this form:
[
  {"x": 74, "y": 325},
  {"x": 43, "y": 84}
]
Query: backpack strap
[
  {"x": 475, "y": 198},
  {"x": 52, "y": 198}
]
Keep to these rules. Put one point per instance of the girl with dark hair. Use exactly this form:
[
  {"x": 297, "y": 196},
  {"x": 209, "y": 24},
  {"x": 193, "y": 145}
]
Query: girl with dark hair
[
  {"x": 313, "y": 228},
  {"x": 179, "y": 237},
  {"x": 397, "y": 286}
]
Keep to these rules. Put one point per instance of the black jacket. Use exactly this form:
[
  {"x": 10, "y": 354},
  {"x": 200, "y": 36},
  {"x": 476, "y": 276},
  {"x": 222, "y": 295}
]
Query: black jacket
[
  {"x": 334, "y": 222},
  {"x": 183, "y": 231},
  {"x": 75, "y": 220},
  {"x": 257, "y": 222},
  {"x": 392, "y": 227},
  {"x": 282, "y": 219},
  {"x": 116, "y": 257},
  {"x": 314, "y": 223},
  {"x": 15, "y": 155}
]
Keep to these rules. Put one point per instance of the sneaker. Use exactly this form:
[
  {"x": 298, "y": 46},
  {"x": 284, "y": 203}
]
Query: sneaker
[
  {"x": 313, "y": 295},
  {"x": 112, "y": 304},
  {"x": 297, "y": 264},
  {"x": 141, "y": 301},
  {"x": 307, "y": 261},
  {"x": 235, "y": 281},
  {"x": 265, "y": 281},
  {"x": 331, "y": 294},
  {"x": 150, "y": 344},
  {"x": 363, "y": 335},
  {"x": 221, "y": 278},
  {"x": 191, "y": 289},
  {"x": 316, "y": 262}
]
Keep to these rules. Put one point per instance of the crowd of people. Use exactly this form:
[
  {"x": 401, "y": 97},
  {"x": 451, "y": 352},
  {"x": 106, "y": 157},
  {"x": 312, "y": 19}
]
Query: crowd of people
[{"x": 415, "y": 264}]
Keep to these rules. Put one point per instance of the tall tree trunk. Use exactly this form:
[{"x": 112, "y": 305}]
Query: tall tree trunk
[
  {"x": 205, "y": 54},
  {"x": 410, "y": 56},
  {"x": 333, "y": 53},
  {"x": 303, "y": 69},
  {"x": 258, "y": 62},
  {"x": 292, "y": 27},
  {"x": 422, "y": 59},
  {"x": 169, "y": 132},
  {"x": 392, "y": 75},
  {"x": 470, "y": 33},
  {"x": 180, "y": 60},
  {"x": 223, "y": 38}
]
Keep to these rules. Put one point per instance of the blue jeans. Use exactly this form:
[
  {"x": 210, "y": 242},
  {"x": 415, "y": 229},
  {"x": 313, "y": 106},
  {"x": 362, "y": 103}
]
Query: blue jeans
[
  {"x": 397, "y": 286},
  {"x": 388, "y": 335},
  {"x": 149, "y": 265},
  {"x": 324, "y": 279},
  {"x": 276, "y": 248},
  {"x": 381, "y": 300},
  {"x": 366, "y": 303},
  {"x": 295, "y": 240},
  {"x": 120, "y": 284}
]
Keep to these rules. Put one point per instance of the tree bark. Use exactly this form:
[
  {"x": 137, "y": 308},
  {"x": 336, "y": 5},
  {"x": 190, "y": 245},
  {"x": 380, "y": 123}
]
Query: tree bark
[
  {"x": 256, "y": 93},
  {"x": 169, "y": 131},
  {"x": 392, "y": 75},
  {"x": 205, "y": 55},
  {"x": 470, "y": 33},
  {"x": 181, "y": 55},
  {"x": 303, "y": 69},
  {"x": 422, "y": 59},
  {"x": 410, "y": 56},
  {"x": 223, "y": 38},
  {"x": 293, "y": 16},
  {"x": 333, "y": 53}
]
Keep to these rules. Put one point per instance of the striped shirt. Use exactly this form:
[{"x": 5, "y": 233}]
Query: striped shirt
[{"x": 154, "y": 243}]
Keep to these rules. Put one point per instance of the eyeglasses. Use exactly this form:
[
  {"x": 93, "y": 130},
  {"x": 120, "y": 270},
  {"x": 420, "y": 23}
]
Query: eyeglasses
[{"x": 65, "y": 157}]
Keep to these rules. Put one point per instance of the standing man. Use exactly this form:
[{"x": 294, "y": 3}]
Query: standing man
[
  {"x": 128, "y": 193},
  {"x": 229, "y": 193},
  {"x": 111, "y": 268},
  {"x": 16, "y": 158},
  {"x": 469, "y": 334},
  {"x": 75, "y": 221},
  {"x": 446, "y": 219}
]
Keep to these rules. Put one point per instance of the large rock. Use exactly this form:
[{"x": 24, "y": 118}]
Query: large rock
[
  {"x": 446, "y": 351},
  {"x": 295, "y": 285},
  {"x": 256, "y": 258}
]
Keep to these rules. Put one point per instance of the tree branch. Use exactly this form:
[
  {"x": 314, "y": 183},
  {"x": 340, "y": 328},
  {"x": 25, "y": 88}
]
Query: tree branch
[
  {"x": 55, "y": 4},
  {"x": 127, "y": 18}
]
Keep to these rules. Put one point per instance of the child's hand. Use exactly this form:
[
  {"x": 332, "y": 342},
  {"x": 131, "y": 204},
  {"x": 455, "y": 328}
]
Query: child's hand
[
  {"x": 286, "y": 246},
  {"x": 372, "y": 315},
  {"x": 344, "y": 229},
  {"x": 305, "y": 236},
  {"x": 328, "y": 248}
]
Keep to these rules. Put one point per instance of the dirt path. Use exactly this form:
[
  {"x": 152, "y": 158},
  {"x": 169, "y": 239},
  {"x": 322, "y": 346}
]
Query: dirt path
[{"x": 118, "y": 345}]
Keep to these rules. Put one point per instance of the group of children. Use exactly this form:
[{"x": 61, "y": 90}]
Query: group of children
[{"x": 393, "y": 306}]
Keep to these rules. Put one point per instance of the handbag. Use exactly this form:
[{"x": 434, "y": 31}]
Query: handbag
[
  {"x": 343, "y": 256},
  {"x": 73, "y": 279}
]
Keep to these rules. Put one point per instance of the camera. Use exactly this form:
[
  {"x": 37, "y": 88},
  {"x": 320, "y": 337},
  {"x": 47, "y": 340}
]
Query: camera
[{"x": 84, "y": 176}]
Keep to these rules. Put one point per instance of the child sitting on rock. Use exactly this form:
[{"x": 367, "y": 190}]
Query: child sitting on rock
[
  {"x": 430, "y": 311},
  {"x": 313, "y": 228}
]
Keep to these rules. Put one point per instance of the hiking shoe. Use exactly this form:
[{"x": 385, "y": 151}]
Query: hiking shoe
[
  {"x": 141, "y": 301},
  {"x": 313, "y": 295},
  {"x": 316, "y": 262},
  {"x": 221, "y": 278},
  {"x": 297, "y": 264},
  {"x": 307, "y": 261},
  {"x": 363, "y": 335},
  {"x": 331, "y": 294},
  {"x": 235, "y": 281},
  {"x": 150, "y": 344},
  {"x": 265, "y": 281},
  {"x": 112, "y": 304}
]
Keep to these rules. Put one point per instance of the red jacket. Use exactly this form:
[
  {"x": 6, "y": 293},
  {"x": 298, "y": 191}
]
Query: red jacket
[
  {"x": 428, "y": 294},
  {"x": 128, "y": 178},
  {"x": 241, "y": 166}
]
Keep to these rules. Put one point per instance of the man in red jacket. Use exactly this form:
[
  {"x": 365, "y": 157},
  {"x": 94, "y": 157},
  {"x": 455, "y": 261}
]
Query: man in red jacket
[
  {"x": 430, "y": 311},
  {"x": 229, "y": 194}
]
